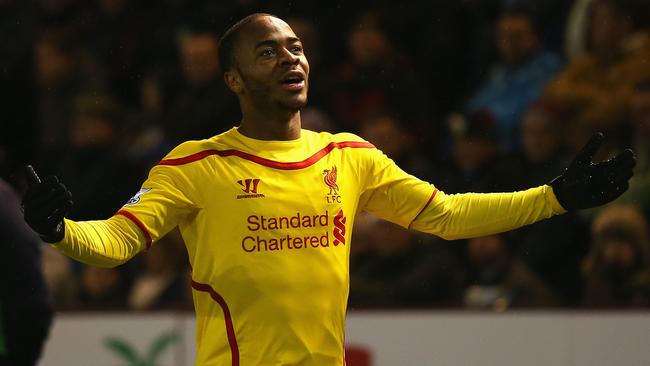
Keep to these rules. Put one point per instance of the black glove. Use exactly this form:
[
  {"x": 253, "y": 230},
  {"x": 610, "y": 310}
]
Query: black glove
[
  {"x": 45, "y": 204},
  {"x": 585, "y": 184}
]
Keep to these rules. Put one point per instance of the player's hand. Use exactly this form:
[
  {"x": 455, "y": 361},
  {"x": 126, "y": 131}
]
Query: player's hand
[
  {"x": 585, "y": 184},
  {"x": 45, "y": 204}
]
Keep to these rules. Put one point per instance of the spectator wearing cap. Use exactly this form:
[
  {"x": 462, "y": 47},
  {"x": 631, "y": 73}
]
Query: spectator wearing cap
[
  {"x": 617, "y": 269},
  {"x": 475, "y": 153}
]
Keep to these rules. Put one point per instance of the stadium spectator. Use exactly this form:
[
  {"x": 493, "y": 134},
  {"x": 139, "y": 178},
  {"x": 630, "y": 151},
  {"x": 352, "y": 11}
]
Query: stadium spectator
[
  {"x": 554, "y": 248},
  {"x": 59, "y": 79},
  {"x": 519, "y": 76},
  {"x": 446, "y": 68},
  {"x": 61, "y": 279},
  {"x": 103, "y": 288},
  {"x": 398, "y": 267},
  {"x": 594, "y": 89},
  {"x": 392, "y": 136},
  {"x": 103, "y": 176},
  {"x": 203, "y": 106},
  {"x": 115, "y": 36},
  {"x": 375, "y": 77},
  {"x": 160, "y": 283},
  {"x": 554, "y": 251},
  {"x": 475, "y": 154},
  {"x": 143, "y": 137},
  {"x": 496, "y": 279},
  {"x": 541, "y": 155},
  {"x": 617, "y": 269}
]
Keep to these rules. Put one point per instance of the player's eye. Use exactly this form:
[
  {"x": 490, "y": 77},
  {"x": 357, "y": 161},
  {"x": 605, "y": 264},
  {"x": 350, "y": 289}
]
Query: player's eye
[
  {"x": 267, "y": 52},
  {"x": 296, "y": 49}
]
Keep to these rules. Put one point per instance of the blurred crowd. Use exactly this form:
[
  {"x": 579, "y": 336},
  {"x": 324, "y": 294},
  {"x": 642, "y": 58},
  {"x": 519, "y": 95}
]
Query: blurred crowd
[{"x": 480, "y": 96}]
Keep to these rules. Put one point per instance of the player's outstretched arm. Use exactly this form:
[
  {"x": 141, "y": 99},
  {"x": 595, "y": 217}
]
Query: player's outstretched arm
[
  {"x": 582, "y": 185},
  {"x": 104, "y": 243},
  {"x": 585, "y": 184},
  {"x": 45, "y": 204}
]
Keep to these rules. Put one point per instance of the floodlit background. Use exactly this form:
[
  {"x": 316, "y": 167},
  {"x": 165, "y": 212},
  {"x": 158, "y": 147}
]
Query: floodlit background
[{"x": 472, "y": 95}]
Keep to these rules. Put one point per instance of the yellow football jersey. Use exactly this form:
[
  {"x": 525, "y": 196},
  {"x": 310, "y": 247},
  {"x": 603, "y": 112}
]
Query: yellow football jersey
[{"x": 267, "y": 226}]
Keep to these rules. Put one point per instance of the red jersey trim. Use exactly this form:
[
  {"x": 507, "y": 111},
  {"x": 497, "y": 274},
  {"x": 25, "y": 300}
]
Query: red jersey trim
[
  {"x": 138, "y": 223},
  {"x": 435, "y": 191},
  {"x": 230, "y": 330},
  {"x": 267, "y": 162}
]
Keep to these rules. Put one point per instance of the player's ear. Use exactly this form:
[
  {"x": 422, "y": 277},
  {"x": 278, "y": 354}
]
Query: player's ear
[{"x": 234, "y": 81}]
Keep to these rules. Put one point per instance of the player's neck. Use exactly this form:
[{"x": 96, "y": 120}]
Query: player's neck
[{"x": 279, "y": 127}]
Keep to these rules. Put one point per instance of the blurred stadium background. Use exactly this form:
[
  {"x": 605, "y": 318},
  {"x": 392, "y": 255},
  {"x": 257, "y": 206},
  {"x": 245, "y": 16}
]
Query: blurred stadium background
[{"x": 472, "y": 95}]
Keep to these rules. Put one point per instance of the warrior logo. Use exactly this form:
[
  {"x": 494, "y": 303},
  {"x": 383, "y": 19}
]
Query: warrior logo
[
  {"x": 329, "y": 177},
  {"x": 339, "y": 228},
  {"x": 249, "y": 185}
]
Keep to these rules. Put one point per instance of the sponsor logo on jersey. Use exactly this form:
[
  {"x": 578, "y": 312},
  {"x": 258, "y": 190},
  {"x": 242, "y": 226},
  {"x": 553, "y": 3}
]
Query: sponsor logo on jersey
[
  {"x": 136, "y": 198},
  {"x": 329, "y": 178},
  {"x": 249, "y": 186},
  {"x": 267, "y": 233},
  {"x": 339, "y": 228}
]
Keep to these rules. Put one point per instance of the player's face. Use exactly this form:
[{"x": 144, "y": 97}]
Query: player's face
[{"x": 271, "y": 64}]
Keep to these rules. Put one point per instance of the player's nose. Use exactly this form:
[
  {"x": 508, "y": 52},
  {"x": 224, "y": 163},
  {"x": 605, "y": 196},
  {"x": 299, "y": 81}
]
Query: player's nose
[{"x": 288, "y": 58}]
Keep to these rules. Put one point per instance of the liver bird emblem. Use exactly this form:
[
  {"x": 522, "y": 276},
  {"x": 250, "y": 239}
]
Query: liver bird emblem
[{"x": 329, "y": 177}]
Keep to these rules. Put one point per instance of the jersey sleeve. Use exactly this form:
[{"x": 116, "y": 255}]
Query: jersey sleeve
[
  {"x": 102, "y": 243},
  {"x": 167, "y": 197},
  {"x": 399, "y": 197},
  {"x": 458, "y": 216},
  {"x": 389, "y": 192}
]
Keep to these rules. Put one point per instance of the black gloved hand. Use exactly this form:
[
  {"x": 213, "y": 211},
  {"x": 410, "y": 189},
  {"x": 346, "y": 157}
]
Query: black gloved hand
[
  {"x": 45, "y": 204},
  {"x": 585, "y": 184}
]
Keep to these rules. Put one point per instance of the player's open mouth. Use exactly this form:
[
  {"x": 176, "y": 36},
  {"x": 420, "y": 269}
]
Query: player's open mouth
[{"x": 294, "y": 81}]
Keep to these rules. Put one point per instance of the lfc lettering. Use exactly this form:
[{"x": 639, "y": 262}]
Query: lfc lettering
[{"x": 333, "y": 199}]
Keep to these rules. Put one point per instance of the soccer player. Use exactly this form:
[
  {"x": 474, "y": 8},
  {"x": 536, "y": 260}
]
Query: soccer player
[{"x": 266, "y": 210}]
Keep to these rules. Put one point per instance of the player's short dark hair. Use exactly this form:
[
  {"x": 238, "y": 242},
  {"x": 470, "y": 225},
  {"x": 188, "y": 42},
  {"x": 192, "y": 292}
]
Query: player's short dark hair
[{"x": 229, "y": 40}]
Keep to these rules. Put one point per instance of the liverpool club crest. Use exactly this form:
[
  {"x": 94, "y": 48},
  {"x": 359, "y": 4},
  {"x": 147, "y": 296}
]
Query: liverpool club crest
[{"x": 329, "y": 178}]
